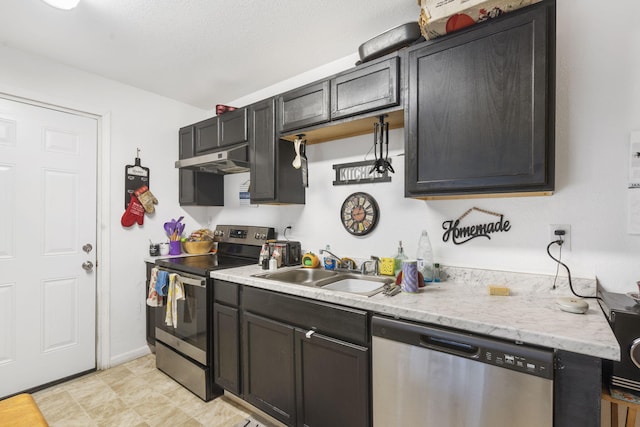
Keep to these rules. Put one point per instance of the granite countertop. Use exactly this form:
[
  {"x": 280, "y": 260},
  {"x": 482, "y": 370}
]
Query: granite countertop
[{"x": 529, "y": 314}]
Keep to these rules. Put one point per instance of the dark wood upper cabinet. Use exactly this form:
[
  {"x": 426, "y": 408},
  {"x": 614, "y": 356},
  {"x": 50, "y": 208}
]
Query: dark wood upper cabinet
[
  {"x": 273, "y": 178},
  {"x": 480, "y": 115},
  {"x": 262, "y": 137},
  {"x": 196, "y": 188},
  {"x": 206, "y": 135},
  {"x": 366, "y": 88},
  {"x": 305, "y": 106},
  {"x": 232, "y": 127},
  {"x": 186, "y": 141}
]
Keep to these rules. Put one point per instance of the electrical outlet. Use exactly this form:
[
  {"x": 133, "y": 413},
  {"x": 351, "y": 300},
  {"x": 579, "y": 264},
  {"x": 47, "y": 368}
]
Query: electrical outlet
[{"x": 567, "y": 235}]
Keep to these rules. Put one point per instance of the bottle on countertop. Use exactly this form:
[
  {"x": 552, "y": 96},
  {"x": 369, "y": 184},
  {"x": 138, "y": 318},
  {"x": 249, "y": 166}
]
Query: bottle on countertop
[
  {"x": 277, "y": 256},
  {"x": 264, "y": 254},
  {"x": 400, "y": 256},
  {"x": 425, "y": 257},
  {"x": 436, "y": 272}
]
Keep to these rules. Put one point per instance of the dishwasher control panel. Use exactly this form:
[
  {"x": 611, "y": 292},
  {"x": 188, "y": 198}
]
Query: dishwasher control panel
[{"x": 518, "y": 363}]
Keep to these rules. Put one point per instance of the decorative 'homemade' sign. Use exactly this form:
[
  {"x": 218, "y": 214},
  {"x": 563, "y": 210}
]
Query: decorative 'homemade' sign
[
  {"x": 460, "y": 233},
  {"x": 359, "y": 173}
]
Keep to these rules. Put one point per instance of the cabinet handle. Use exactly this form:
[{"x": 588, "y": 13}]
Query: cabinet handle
[{"x": 309, "y": 333}]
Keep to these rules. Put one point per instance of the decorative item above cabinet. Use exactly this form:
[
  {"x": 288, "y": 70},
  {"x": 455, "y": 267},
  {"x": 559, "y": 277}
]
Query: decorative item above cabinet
[
  {"x": 344, "y": 105},
  {"x": 481, "y": 109}
]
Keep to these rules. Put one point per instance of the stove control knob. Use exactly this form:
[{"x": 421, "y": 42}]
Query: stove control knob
[
  {"x": 263, "y": 236},
  {"x": 257, "y": 236}
]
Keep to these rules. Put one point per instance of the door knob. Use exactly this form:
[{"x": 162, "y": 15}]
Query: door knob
[
  {"x": 87, "y": 248},
  {"x": 87, "y": 265}
]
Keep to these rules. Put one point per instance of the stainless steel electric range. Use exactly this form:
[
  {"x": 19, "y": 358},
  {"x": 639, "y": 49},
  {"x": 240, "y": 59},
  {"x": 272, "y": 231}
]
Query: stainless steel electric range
[{"x": 184, "y": 347}]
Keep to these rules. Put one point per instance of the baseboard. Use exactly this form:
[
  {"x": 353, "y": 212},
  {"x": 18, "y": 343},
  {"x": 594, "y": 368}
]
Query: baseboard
[{"x": 129, "y": 356}]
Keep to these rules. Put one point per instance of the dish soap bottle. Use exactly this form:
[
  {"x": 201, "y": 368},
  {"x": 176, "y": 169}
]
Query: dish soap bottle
[
  {"x": 400, "y": 256},
  {"x": 425, "y": 257}
]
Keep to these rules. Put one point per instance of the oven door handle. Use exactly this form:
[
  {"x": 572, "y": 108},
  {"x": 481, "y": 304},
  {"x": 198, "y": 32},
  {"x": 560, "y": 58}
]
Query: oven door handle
[
  {"x": 193, "y": 282},
  {"x": 189, "y": 280}
]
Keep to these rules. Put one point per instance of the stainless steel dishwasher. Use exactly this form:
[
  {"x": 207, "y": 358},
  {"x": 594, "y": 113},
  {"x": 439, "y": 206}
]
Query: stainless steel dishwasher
[{"x": 427, "y": 376}]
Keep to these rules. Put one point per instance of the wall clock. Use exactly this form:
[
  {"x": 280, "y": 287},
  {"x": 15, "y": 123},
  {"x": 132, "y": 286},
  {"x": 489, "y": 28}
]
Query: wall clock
[{"x": 359, "y": 213}]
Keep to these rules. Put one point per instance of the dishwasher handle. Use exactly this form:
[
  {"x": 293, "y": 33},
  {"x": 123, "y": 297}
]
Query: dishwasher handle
[{"x": 450, "y": 346}]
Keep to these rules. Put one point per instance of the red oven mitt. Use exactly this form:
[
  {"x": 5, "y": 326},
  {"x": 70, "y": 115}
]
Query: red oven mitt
[{"x": 133, "y": 214}]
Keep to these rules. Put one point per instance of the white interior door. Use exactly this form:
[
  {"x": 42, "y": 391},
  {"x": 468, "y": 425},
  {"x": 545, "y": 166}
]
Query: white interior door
[{"x": 47, "y": 214}]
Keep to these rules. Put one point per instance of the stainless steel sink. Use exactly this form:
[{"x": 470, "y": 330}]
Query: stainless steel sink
[
  {"x": 349, "y": 282},
  {"x": 300, "y": 276},
  {"x": 359, "y": 285}
]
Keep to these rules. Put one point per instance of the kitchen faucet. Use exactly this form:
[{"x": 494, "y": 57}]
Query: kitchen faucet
[
  {"x": 343, "y": 263},
  {"x": 330, "y": 253},
  {"x": 374, "y": 259}
]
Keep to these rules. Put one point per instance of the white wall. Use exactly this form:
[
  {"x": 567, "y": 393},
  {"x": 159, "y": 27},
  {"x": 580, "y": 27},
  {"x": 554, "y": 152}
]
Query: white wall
[
  {"x": 138, "y": 120},
  {"x": 598, "y": 105}
]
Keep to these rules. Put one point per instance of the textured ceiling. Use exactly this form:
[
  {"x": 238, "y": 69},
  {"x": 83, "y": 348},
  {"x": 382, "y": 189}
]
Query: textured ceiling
[{"x": 201, "y": 52}]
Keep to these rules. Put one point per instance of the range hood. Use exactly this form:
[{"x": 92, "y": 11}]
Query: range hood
[{"x": 225, "y": 161}]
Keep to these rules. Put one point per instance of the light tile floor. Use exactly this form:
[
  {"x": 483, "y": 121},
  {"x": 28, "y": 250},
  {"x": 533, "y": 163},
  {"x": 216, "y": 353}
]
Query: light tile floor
[{"x": 134, "y": 394}]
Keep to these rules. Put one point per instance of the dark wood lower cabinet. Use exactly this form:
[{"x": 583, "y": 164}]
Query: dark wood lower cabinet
[
  {"x": 226, "y": 358},
  {"x": 332, "y": 382},
  {"x": 269, "y": 367},
  {"x": 305, "y": 362}
]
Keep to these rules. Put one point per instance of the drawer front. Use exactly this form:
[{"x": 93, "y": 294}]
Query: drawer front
[
  {"x": 340, "y": 322},
  {"x": 226, "y": 292}
]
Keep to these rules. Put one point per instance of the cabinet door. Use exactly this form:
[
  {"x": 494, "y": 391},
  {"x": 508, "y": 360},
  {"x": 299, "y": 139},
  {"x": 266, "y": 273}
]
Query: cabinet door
[
  {"x": 233, "y": 127},
  {"x": 268, "y": 367},
  {"x": 332, "y": 382},
  {"x": 481, "y": 108},
  {"x": 367, "y": 88},
  {"x": 273, "y": 178},
  {"x": 226, "y": 349},
  {"x": 186, "y": 138},
  {"x": 262, "y": 138},
  {"x": 186, "y": 178},
  {"x": 206, "y": 135},
  {"x": 304, "y": 107}
]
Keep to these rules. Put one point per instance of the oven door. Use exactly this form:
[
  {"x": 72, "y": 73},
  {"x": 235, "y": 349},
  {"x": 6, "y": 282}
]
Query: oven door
[{"x": 189, "y": 336}]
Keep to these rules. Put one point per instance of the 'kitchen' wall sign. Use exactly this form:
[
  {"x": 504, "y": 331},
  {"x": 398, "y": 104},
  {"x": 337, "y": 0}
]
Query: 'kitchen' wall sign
[
  {"x": 359, "y": 173},
  {"x": 460, "y": 233}
]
